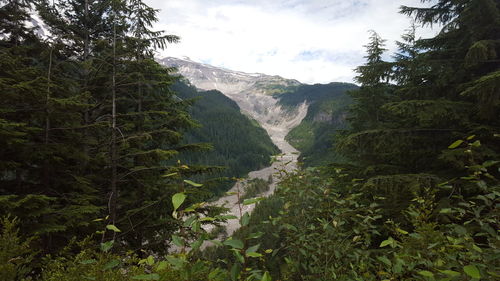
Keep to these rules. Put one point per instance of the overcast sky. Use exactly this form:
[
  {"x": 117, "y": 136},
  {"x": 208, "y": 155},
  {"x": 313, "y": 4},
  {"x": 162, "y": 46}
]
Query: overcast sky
[{"x": 313, "y": 41}]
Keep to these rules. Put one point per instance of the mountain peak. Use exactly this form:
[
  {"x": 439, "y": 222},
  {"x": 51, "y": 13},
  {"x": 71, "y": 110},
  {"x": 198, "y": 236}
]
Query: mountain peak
[{"x": 208, "y": 77}]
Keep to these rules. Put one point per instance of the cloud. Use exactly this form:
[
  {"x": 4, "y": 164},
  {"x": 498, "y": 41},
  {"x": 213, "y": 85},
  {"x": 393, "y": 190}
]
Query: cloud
[{"x": 313, "y": 41}]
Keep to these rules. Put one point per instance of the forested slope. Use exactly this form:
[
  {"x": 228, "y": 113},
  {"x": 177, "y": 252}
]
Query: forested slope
[
  {"x": 326, "y": 115},
  {"x": 239, "y": 144}
]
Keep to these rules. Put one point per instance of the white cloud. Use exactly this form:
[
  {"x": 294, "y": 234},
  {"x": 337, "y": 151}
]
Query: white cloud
[{"x": 313, "y": 41}]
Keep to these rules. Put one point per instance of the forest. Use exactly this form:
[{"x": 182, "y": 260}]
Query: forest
[{"x": 96, "y": 140}]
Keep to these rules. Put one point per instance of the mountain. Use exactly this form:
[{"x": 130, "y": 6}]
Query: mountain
[
  {"x": 229, "y": 82},
  {"x": 255, "y": 94},
  {"x": 295, "y": 115}
]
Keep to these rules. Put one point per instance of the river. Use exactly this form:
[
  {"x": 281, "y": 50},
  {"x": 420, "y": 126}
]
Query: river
[{"x": 277, "y": 122}]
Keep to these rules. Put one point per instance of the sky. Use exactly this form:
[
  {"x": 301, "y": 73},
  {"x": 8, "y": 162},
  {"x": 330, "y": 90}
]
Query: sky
[{"x": 313, "y": 41}]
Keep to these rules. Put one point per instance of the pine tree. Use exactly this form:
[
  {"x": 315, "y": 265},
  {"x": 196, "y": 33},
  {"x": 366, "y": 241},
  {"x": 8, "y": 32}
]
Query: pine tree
[{"x": 373, "y": 77}]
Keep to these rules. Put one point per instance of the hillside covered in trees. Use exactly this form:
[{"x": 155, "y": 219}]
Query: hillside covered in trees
[
  {"x": 240, "y": 145},
  {"x": 326, "y": 116},
  {"x": 91, "y": 130}
]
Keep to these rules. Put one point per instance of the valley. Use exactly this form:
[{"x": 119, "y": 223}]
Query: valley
[{"x": 255, "y": 95}]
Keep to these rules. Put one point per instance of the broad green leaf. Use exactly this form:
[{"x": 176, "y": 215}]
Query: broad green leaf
[
  {"x": 193, "y": 183},
  {"x": 385, "y": 260},
  {"x": 252, "y": 201},
  {"x": 387, "y": 242},
  {"x": 254, "y": 255},
  {"x": 238, "y": 256},
  {"x": 150, "y": 260},
  {"x": 255, "y": 235},
  {"x": 245, "y": 219},
  {"x": 106, "y": 246},
  {"x": 450, "y": 273},
  {"x": 445, "y": 211},
  {"x": 252, "y": 249},
  {"x": 216, "y": 242},
  {"x": 152, "y": 276},
  {"x": 178, "y": 199},
  {"x": 177, "y": 241},
  {"x": 266, "y": 277},
  {"x": 162, "y": 265},
  {"x": 226, "y": 217},
  {"x": 196, "y": 244},
  {"x": 111, "y": 264},
  {"x": 472, "y": 271},
  {"x": 91, "y": 261},
  {"x": 235, "y": 271},
  {"x": 113, "y": 228},
  {"x": 455, "y": 144},
  {"x": 176, "y": 262},
  {"x": 426, "y": 273},
  {"x": 207, "y": 219},
  {"x": 401, "y": 231},
  {"x": 234, "y": 243}
]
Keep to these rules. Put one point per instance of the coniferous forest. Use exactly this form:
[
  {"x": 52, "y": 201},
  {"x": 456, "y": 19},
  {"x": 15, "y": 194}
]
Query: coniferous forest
[{"x": 104, "y": 167}]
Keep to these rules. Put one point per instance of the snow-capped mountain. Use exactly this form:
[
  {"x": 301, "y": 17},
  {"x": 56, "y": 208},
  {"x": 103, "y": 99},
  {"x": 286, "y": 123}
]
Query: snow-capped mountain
[{"x": 208, "y": 77}]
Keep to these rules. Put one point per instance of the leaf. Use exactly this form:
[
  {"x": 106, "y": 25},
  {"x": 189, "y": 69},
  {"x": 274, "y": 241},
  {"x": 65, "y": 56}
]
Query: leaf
[
  {"x": 252, "y": 249},
  {"x": 169, "y": 175},
  {"x": 245, "y": 219},
  {"x": 252, "y": 201},
  {"x": 152, "y": 276},
  {"x": 266, "y": 277},
  {"x": 238, "y": 256},
  {"x": 255, "y": 235},
  {"x": 176, "y": 262},
  {"x": 426, "y": 273},
  {"x": 106, "y": 246},
  {"x": 401, "y": 231},
  {"x": 234, "y": 243},
  {"x": 162, "y": 265},
  {"x": 235, "y": 271},
  {"x": 177, "y": 241},
  {"x": 254, "y": 255},
  {"x": 113, "y": 228},
  {"x": 450, "y": 273},
  {"x": 385, "y": 260},
  {"x": 455, "y": 144},
  {"x": 150, "y": 260},
  {"x": 472, "y": 271},
  {"x": 193, "y": 183},
  {"x": 91, "y": 261},
  {"x": 226, "y": 217},
  {"x": 216, "y": 242},
  {"x": 178, "y": 199},
  {"x": 445, "y": 211},
  {"x": 111, "y": 264},
  {"x": 387, "y": 242}
]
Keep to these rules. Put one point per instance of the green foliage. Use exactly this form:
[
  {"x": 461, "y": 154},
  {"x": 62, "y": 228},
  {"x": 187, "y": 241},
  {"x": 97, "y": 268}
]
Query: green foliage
[{"x": 16, "y": 254}]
